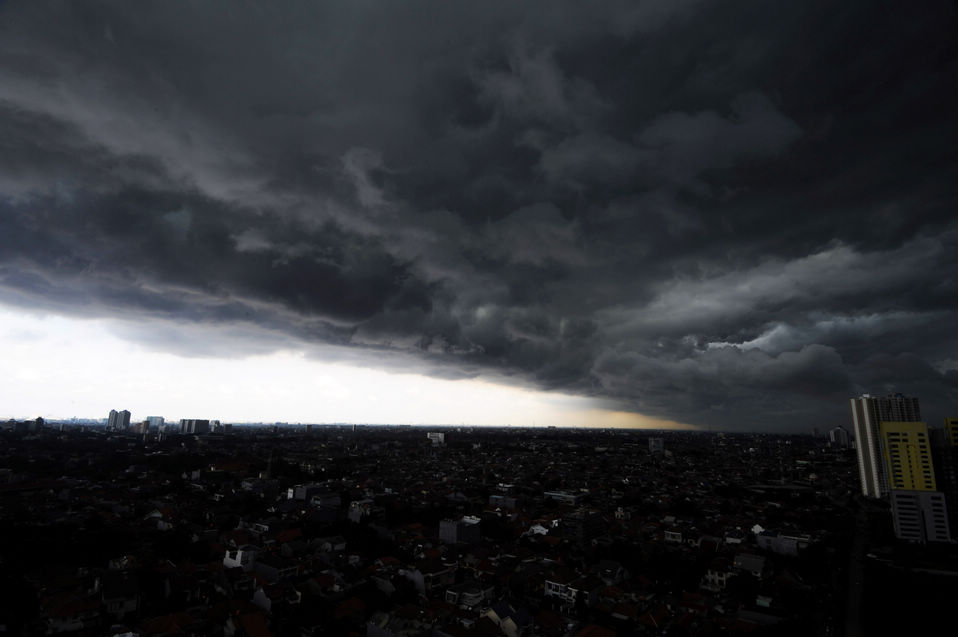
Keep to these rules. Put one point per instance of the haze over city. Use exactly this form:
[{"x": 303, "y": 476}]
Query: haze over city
[{"x": 652, "y": 214}]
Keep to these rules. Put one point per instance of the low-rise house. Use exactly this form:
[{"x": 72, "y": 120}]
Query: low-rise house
[
  {"x": 304, "y": 492},
  {"x": 587, "y": 589},
  {"x": 717, "y": 575},
  {"x": 120, "y": 593},
  {"x": 268, "y": 527},
  {"x": 781, "y": 543},
  {"x": 179, "y": 623},
  {"x": 360, "y": 510},
  {"x": 332, "y": 544},
  {"x": 326, "y": 500},
  {"x": 752, "y": 564},
  {"x": 273, "y": 568},
  {"x": 69, "y": 611},
  {"x": 564, "y": 497},
  {"x": 243, "y": 557},
  {"x": 251, "y": 624},
  {"x": 513, "y": 622},
  {"x": 500, "y": 501},
  {"x": 272, "y": 595},
  {"x": 582, "y": 525},
  {"x": 557, "y": 585},
  {"x": 469, "y": 594},
  {"x": 437, "y": 574},
  {"x": 734, "y": 536}
]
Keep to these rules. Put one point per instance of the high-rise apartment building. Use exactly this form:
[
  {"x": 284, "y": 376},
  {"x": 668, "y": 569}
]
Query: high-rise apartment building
[
  {"x": 907, "y": 452},
  {"x": 868, "y": 412},
  {"x": 194, "y": 426},
  {"x": 951, "y": 431},
  {"x": 920, "y": 516},
  {"x": 118, "y": 420},
  {"x": 895, "y": 459},
  {"x": 839, "y": 438},
  {"x": 944, "y": 455},
  {"x": 897, "y": 408},
  {"x": 919, "y": 510}
]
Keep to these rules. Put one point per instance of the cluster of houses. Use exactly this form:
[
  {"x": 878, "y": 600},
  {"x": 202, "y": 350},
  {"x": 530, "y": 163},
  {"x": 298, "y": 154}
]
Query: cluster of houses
[{"x": 386, "y": 531}]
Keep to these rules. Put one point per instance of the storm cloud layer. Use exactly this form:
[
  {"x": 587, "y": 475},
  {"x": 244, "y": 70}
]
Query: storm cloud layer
[{"x": 723, "y": 213}]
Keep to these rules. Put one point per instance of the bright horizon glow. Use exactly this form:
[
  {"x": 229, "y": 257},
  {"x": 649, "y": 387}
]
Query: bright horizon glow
[{"x": 59, "y": 367}]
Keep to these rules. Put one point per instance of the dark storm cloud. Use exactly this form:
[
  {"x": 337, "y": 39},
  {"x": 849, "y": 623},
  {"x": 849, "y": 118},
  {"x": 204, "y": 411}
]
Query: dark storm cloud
[{"x": 723, "y": 213}]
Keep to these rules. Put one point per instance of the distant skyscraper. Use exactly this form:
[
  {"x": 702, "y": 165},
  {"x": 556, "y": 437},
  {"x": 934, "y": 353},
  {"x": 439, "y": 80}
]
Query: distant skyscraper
[
  {"x": 194, "y": 426},
  {"x": 118, "y": 420},
  {"x": 868, "y": 412},
  {"x": 155, "y": 421},
  {"x": 656, "y": 445},
  {"x": 840, "y": 438}
]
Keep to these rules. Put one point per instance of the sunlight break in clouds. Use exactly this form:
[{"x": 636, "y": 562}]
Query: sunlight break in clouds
[{"x": 61, "y": 367}]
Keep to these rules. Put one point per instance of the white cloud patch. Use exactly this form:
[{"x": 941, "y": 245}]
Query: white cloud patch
[
  {"x": 783, "y": 337},
  {"x": 831, "y": 275}
]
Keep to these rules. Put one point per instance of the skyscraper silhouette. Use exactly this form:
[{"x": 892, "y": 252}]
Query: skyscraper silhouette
[{"x": 118, "y": 420}]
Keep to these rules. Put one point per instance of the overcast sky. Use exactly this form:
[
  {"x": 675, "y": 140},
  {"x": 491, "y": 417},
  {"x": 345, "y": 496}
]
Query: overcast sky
[{"x": 709, "y": 213}]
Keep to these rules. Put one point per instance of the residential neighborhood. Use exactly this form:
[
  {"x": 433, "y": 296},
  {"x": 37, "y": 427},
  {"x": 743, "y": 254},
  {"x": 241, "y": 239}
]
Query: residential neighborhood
[{"x": 394, "y": 531}]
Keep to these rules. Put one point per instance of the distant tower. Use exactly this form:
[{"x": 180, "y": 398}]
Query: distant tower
[
  {"x": 269, "y": 465},
  {"x": 656, "y": 445},
  {"x": 868, "y": 412},
  {"x": 118, "y": 420},
  {"x": 839, "y": 438},
  {"x": 194, "y": 426}
]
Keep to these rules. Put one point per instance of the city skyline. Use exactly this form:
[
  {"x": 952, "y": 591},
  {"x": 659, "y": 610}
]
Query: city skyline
[{"x": 661, "y": 214}]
